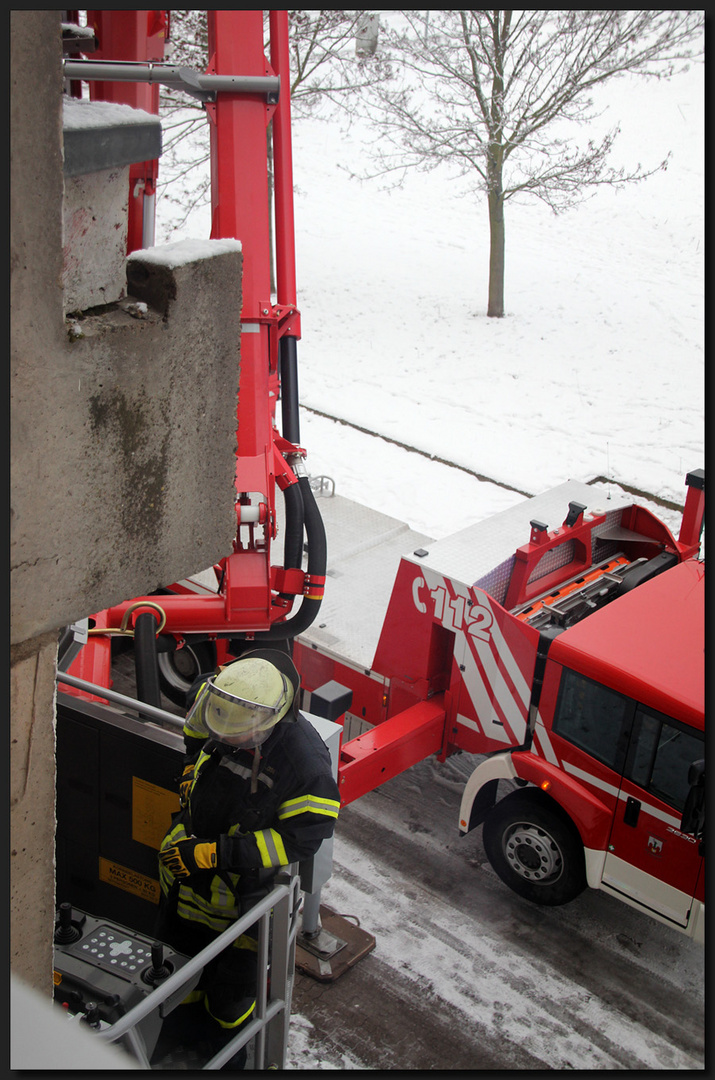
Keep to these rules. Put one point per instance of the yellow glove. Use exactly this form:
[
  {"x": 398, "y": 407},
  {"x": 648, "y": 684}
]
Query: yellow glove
[
  {"x": 187, "y": 779},
  {"x": 187, "y": 856}
]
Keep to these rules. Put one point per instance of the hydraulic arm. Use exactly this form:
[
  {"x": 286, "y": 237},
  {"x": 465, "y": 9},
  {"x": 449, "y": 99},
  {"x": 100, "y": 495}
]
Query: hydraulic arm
[{"x": 254, "y": 598}]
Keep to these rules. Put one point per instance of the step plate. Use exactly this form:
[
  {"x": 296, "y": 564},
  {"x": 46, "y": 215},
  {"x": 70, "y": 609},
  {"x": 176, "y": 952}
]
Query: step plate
[{"x": 357, "y": 944}]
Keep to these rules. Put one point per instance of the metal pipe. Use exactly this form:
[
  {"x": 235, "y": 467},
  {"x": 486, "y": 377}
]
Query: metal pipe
[
  {"x": 120, "y": 699},
  {"x": 149, "y": 221},
  {"x": 171, "y": 75},
  {"x": 311, "y": 914}
]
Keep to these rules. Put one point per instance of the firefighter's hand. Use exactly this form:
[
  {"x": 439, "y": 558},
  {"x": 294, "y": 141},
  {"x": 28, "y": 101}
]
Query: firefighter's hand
[
  {"x": 187, "y": 856},
  {"x": 187, "y": 778}
]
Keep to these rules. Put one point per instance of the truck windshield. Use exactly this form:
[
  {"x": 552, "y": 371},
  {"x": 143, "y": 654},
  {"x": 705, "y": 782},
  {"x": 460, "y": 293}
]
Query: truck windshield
[
  {"x": 594, "y": 718},
  {"x": 651, "y": 749}
]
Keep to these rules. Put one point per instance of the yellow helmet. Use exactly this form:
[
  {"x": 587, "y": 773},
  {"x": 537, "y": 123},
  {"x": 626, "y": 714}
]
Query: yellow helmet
[{"x": 243, "y": 702}]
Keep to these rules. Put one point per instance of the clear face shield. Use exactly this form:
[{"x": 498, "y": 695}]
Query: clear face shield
[{"x": 234, "y": 720}]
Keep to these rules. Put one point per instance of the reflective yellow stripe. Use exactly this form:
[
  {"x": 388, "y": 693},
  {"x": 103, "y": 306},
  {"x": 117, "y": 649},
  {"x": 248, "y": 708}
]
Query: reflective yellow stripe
[
  {"x": 246, "y": 942},
  {"x": 166, "y": 878},
  {"x": 271, "y": 848},
  {"x": 191, "y": 914},
  {"x": 230, "y": 1023},
  {"x": 221, "y": 895},
  {"x": 217, "y": 913},
  {"x": 308, "y": 804},
  {"x": 195, "y": 995}
]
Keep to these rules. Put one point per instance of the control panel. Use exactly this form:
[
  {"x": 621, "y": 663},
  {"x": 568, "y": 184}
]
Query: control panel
[{"x": 102, "y": 969}]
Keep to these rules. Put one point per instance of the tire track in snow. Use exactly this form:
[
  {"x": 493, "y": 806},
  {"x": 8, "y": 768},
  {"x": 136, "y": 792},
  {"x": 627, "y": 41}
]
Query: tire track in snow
[
  {"x": 630, "y": 488},
  {"x": 504, "y": 991}
]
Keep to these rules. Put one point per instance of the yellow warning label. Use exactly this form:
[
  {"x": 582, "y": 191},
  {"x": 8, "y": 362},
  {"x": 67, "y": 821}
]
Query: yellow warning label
[
  {"x": 130, "y": 880},
  {"x": 57, "y": 977},
  {"x": 152, "y": 807}
]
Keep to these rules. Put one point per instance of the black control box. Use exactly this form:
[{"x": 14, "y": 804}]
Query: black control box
[{"x": 102, "y": 970}]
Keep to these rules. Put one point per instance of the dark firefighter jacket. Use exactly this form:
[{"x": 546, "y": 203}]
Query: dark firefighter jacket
[{"x": 264, "y": 814}]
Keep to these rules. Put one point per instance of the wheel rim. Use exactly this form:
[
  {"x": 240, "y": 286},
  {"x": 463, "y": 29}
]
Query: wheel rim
[
  {"x": 532, "y": 853},
  {"x": 180, "y": 668}
]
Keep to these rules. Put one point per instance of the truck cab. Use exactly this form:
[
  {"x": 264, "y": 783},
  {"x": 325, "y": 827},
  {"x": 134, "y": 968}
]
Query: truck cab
[
  {"x": 607, "y": 779},
  {"x": 622, "y": 715}
]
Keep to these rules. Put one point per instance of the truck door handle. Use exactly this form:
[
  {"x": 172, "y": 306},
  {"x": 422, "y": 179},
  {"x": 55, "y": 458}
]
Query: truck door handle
[{"x": 633, "y": 809}]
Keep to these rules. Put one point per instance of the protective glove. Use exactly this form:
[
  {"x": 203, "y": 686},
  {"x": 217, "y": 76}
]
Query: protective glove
[
  {"x": 187, "y": 778},
  {"x": 185, "y": 857}
]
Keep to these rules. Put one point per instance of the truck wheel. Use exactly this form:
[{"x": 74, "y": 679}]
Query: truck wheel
[
  {"x": 179, "y": 669},
  {"x": 535, "y": 849}
]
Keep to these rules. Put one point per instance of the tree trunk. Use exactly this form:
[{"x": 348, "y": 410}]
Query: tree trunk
[{"x": 495, "y": 307}]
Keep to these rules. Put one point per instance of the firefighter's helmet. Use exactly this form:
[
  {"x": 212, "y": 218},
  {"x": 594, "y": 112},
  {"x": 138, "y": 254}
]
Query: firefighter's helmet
[{"x": 243, "y": 702}]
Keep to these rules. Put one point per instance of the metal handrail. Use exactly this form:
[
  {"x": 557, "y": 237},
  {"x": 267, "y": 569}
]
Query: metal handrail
[
  {"x": 120, "y": 699},
  {"x": 281, "y": 901}
]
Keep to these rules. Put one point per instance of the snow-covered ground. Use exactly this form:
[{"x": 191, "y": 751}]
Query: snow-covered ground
[{"x": 597, "y": 369}]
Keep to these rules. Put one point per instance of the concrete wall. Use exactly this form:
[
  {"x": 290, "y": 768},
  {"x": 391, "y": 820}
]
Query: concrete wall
[{"x": 123, "y": 432}]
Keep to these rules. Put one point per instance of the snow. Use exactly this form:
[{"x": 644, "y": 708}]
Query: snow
[
  {"x": 185, "y": 251},
  {"x": 81, "y": 113},
  {"x": 596, "y": 370},
  {"x": 465, "y": 967}
]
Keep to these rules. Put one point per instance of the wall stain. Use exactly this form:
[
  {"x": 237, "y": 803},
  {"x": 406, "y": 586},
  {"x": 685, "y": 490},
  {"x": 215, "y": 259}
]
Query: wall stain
[{"x": 127, "y": 434}]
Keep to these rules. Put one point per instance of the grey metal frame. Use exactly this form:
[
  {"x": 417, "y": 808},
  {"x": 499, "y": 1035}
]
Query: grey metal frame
[{"x": 203, "y": 87}]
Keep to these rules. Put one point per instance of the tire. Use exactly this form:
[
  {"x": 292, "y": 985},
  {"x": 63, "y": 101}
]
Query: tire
[
  {"x": 178, "y": 669},
  {"x": 535, "y": 849}
]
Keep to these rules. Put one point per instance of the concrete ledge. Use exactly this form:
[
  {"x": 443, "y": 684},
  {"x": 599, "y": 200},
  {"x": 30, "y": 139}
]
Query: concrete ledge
[
  {"x": 101, "y": 135},
  {"x": 137, "y": 464}
]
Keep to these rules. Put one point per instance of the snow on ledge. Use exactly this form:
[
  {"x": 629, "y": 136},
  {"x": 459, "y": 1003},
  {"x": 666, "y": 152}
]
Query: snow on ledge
[
  {"x": 185, "y": 251},
  {"x": 79, "y": 113}
]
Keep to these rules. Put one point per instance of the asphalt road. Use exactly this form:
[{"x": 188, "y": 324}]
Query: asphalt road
[{"x": 467, "y": 975}]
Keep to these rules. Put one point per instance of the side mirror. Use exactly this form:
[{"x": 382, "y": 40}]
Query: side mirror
[{"x": 693, "y": 820}]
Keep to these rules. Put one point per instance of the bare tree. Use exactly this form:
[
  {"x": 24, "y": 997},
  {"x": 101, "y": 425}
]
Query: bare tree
[
  {"x": 185, "y": 151},
  {"x": 333, "y": 58},
  {"x": 490, "y": 94}
]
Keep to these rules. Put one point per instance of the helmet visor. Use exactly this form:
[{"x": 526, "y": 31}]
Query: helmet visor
[{"x": 233, "y": 719}]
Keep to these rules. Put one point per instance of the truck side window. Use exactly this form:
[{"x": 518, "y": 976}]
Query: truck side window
[
  {"x": 661, "y": 754},
  {"x": 594, "y": 718}
]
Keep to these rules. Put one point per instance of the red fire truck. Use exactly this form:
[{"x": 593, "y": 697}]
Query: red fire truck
[
  {"x": 574, "y": 662},
  {"x": 561, "y": 641}
]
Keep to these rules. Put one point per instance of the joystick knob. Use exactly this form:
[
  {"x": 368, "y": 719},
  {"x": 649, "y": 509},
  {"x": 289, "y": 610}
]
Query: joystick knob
[
  {"x": 158, "y": 970},
  {"x": 65, "y": 931}
]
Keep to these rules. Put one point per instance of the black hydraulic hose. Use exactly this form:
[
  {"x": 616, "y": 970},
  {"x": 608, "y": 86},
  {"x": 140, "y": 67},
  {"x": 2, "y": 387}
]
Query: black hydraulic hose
[
  {"x": 317, "y": 564},
  {"x": 293, "y": 541},
  {"x": 146, "y": 660},
  {"x": 301, "y": 511},
  {"x": 290, "y": 415}
]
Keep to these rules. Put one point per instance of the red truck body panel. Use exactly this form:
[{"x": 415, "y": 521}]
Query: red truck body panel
[{"x": 649, "y": 645}]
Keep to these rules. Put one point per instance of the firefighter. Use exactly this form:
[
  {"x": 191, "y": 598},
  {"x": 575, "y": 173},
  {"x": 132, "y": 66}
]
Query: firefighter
[{"x": 257, "y": 793}]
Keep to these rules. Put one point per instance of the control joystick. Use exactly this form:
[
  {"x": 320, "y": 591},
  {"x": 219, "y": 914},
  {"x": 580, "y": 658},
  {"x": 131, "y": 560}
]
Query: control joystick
[
  {"x": 159, "y": 969},
  {"x": 66, "y": 931}
]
